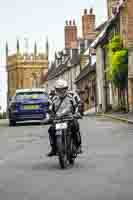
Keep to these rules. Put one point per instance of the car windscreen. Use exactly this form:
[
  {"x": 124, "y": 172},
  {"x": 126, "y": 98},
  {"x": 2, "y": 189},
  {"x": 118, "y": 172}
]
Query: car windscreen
[{"x": 31, "y": 95}]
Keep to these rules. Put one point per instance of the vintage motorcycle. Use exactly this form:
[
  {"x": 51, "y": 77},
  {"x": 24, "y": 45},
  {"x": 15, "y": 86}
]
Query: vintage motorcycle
[{"x": 66, "y": 149}]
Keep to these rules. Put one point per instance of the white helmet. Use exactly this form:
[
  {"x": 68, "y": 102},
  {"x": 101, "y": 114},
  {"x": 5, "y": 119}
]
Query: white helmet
[
  {"x": 61, "y": 87},
  {"x": 61, "y": 84}
]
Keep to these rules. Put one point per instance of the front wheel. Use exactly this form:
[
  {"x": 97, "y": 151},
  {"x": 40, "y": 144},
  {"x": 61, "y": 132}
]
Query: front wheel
[
  {"x": 72, "y": 153},
  {"x": 61, "y": 152}
]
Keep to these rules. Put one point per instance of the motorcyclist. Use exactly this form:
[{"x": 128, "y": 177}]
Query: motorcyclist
[{"x": 63, "y": 104}]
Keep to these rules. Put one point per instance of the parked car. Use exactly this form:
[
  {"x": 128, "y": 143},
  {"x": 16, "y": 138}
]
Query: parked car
[{"x": 28, "y": 104}]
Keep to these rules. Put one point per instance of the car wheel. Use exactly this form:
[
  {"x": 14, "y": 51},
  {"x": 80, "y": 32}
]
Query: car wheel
[{"x": 12, "y": 122}]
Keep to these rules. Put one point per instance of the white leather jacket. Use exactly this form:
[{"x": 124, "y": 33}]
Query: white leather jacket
[{"x": 66, "y": 107}]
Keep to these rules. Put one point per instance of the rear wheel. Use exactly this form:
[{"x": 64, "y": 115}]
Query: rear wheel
[{"x": 61, "y": 152}]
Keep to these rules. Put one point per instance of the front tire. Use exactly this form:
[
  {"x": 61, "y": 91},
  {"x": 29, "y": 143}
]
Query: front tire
[
  {"x": 71, "y": 157},
  {"x": 61, "y": 152}
]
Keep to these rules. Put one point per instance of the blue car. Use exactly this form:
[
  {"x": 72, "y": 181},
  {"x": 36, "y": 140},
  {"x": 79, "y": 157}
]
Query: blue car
[{"x": 27, "y": 105}]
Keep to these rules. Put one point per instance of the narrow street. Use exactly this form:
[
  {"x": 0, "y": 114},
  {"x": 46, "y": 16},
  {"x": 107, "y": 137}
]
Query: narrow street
[{"x": 102, "y": 172}]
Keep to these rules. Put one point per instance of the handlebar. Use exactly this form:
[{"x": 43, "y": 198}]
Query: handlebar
[{"x": 65, "y": 118}]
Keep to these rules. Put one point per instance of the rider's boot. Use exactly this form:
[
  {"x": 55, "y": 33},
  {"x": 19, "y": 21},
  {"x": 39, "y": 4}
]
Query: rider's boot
[
  {"x": 79, "y": 143},
  {"x": 52, "y": 152},
  {"x": 79, "y": 150}
]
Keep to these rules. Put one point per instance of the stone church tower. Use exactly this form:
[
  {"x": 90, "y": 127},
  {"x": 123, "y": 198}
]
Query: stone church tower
[{"x": 26, "y": 70}]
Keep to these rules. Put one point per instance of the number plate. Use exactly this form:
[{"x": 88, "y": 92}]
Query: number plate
[
  {"x": 30, "y": 107},
  {"x": 61, "y": 126}
]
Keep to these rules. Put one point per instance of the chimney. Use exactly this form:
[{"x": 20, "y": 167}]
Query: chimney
[
  {"x": 18, "y": 47},
  {"x": 71, "y": 38},
  {"x": 85, "y": 11},
  {"x": 88, "y": 25},
  {"x": 35, "y": 49},
  {"x": 66, "y": 23},
  {"x": 74, "y": 22},
  {"x": 47, "y": 48},
  {"x": 7, "y": 50},
  {"x": 91, "y": 11},
  {"x": 112, "y": 7}
]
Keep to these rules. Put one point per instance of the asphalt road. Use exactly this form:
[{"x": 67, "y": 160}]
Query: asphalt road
[{"x": 103, "y": 172}]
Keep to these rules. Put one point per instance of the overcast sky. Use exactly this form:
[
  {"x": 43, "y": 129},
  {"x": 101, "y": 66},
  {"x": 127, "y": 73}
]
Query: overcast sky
[{"x": 35, "y": 20}]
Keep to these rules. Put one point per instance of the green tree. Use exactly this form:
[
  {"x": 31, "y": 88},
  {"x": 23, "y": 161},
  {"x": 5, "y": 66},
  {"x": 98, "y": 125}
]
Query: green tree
[
  {"x": 119, "y": 70},
  {"x": 116, "y": 43}
]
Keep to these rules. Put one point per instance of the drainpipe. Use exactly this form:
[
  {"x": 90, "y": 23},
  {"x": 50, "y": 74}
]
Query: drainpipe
[{"x": 106, "y": 82}]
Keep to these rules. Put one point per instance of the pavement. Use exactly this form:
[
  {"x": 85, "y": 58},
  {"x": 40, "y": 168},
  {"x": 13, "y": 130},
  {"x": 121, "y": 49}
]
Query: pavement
[
  {"x": 102, "y": 172},
  {"x": 124, "y": 117},
  {"x": 3, "y": 122},
  {"x": 90, "y": 112}
]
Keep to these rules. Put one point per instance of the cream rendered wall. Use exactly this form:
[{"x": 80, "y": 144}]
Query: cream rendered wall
[{"x": 100, "y": 79}]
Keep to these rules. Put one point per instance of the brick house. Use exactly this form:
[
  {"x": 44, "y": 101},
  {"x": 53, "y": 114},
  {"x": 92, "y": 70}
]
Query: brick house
[
  {"x": 86, "y": 82},
  {"x": 126, "y": 30}
]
